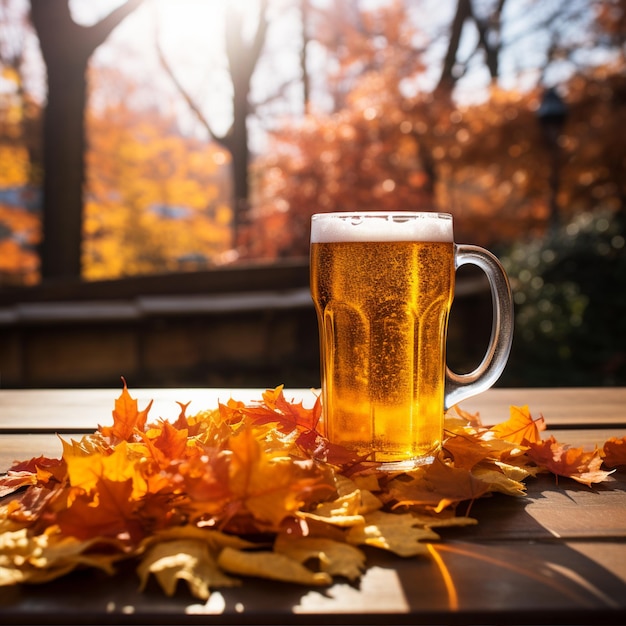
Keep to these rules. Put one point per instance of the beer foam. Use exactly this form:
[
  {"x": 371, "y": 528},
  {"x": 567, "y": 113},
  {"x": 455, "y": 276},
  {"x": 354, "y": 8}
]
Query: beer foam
[{"x": 376, "y": 226}]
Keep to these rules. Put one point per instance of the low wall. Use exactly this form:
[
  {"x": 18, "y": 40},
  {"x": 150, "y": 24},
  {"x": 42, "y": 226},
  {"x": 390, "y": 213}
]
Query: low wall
[{"x": 236, "y": 327}]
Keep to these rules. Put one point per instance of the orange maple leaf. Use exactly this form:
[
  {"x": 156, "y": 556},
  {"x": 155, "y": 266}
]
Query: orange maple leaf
[
  {"x": 127, "y": 419},
  {"x": 562, "y": 460},
  {"x": 109, "y": 512},
  {"x": 270, "y": 486},
  {"x": 275, "y": 409},
  {"x": 614, "y": 452},
  {"x": 520, "y": 428},
  {"x": 469, "y": 449},
  {"x": 168, "y": 443}
]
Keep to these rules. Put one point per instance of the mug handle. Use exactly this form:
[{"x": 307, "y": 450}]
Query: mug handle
[{"x": 461, "y": 386}]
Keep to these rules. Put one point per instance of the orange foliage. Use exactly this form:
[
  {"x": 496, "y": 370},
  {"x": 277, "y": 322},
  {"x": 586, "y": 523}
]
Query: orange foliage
[{"x": 156, "y": 201}]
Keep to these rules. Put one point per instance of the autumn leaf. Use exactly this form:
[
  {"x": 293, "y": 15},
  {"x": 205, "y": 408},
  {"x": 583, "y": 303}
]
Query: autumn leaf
[
  {"x": 12, "y": 481},
  {"x": 271, "y": 487},
  {"x": 296, "y": 414},
  {"x": 28, "y": 506},
  {"x": 166, "y": 443},
  {"x": 85, "y": 472},
  {"x": 318, "y": 447},
  {"x": 110, "y": 512},
  {"x": 473, "y": 419},
  {"x": 37, "y": 470},
  {"x": 614, "y": 452},
  {"x": 274, "y": 409},
  {"x": 520, "y": 427},
  {"x": 44, "y": 557},
  {"x": 436, "y": 487},
  {"x": 400, "y": 533},
  {"x": 562, "y": 460},
  {"x": 190, "y": 560},
  {"x": 271, "y": 565},
  {"x": 469, "y": 449},
  {"x": 127, "y": 419},
  {"x": 336, "y": 558}
]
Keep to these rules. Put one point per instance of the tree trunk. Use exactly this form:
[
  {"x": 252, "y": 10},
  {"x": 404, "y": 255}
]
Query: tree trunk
[
  {"x": 63, "y": 149},
  {"x": 66, "y": 48}
]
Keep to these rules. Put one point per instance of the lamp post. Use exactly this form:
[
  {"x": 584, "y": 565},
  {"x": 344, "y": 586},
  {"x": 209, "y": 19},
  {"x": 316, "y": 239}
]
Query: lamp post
[{"x": 552, "y": 114}]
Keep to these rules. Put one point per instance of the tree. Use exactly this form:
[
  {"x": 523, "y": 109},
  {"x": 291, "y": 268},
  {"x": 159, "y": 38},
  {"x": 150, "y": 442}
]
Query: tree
[
  {"x": 154, "y": 200},
  {"x": 66, "y": 48},
  {"x": 387, "y": 148},
  {"x": 242, "y": 53}
]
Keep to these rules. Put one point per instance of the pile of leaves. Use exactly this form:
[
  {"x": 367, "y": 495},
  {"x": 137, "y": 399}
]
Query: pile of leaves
[{"x": 255, "y": 490}]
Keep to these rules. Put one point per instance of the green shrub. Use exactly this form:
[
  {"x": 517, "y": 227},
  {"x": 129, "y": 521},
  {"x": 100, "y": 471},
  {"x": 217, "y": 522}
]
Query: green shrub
[{"x": 570, "y": 302}]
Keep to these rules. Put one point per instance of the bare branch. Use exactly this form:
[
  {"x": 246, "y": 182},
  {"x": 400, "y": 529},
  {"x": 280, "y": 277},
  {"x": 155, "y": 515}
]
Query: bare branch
[
  {"x": 195, "y": 109},
  {"x": 102, "y": 29}
]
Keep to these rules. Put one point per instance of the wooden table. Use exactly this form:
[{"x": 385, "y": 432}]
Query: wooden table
[{"x": 557, "y": 556}]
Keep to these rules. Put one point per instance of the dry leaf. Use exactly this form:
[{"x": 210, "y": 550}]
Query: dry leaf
[
  {"x": 400, "y": 533},
  {"x": 271, "y": 565},
  {"x": 614, "y": 452},
  {"x": 520, "y": 427},
  {"x": 574, "y": 463},
  {"x": 334, "y": 557},
  {"x": 183, "y": 559}
]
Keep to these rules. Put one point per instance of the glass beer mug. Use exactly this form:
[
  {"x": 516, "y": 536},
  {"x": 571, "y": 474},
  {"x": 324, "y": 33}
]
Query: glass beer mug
[{"x": 382, "y": 285}]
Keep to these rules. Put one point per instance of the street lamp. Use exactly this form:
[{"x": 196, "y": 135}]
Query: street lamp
[{"x": 552, "y": 114}]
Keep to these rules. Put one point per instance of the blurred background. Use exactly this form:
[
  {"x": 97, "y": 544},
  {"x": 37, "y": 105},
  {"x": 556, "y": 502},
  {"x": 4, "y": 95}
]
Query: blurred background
[{"x": 160, "y": 161}]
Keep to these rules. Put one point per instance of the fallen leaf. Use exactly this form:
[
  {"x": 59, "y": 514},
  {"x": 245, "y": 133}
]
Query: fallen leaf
[
  {"x": 108, "y": 512},
  {"x": 520, "y": 427},
  {"x": 400, "y": 533},
  {"x": 190, "y": 560},
  {"x": 614, "y": 452},
  {"x": 336, "y": 558},
  {"x": 270, "y": 565},
  {"x": 562, "y": 460},
  {"x": 127, "y": 419}
]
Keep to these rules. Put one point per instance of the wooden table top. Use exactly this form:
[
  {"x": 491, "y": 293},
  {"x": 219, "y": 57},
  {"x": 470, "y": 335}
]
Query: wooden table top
[{"x": 556, "y": 556}]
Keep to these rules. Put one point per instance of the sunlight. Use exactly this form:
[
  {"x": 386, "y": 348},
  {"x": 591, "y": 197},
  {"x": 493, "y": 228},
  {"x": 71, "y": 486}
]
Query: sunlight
[{"x": 453, "y": 597}]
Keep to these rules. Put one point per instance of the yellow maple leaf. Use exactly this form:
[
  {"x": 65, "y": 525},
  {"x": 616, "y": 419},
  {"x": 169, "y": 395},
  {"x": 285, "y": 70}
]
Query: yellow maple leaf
[
  {"x": 84, "y": 471},
  {"x": 270, "y": 565},
  {"x": 336, "y": 558},
  {"x": 400, "y": 533},
  {"x": 190, "y": 560}
]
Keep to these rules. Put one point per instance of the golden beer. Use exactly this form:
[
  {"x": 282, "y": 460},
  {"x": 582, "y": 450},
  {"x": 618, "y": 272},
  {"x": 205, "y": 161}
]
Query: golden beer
[{"x": 383, "y": 287}]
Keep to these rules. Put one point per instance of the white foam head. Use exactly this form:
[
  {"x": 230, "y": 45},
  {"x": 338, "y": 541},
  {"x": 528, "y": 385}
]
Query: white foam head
[{"x": 381, "y": 226}]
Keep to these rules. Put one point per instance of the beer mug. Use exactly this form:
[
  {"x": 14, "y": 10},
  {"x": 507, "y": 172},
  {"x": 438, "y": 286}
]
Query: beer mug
[{"x": 383, "y": 284}]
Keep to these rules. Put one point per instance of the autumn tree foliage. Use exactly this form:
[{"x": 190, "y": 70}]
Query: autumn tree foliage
[
  {"x": 156, "y": 201},
  {"x": 388, "y": 145}
]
